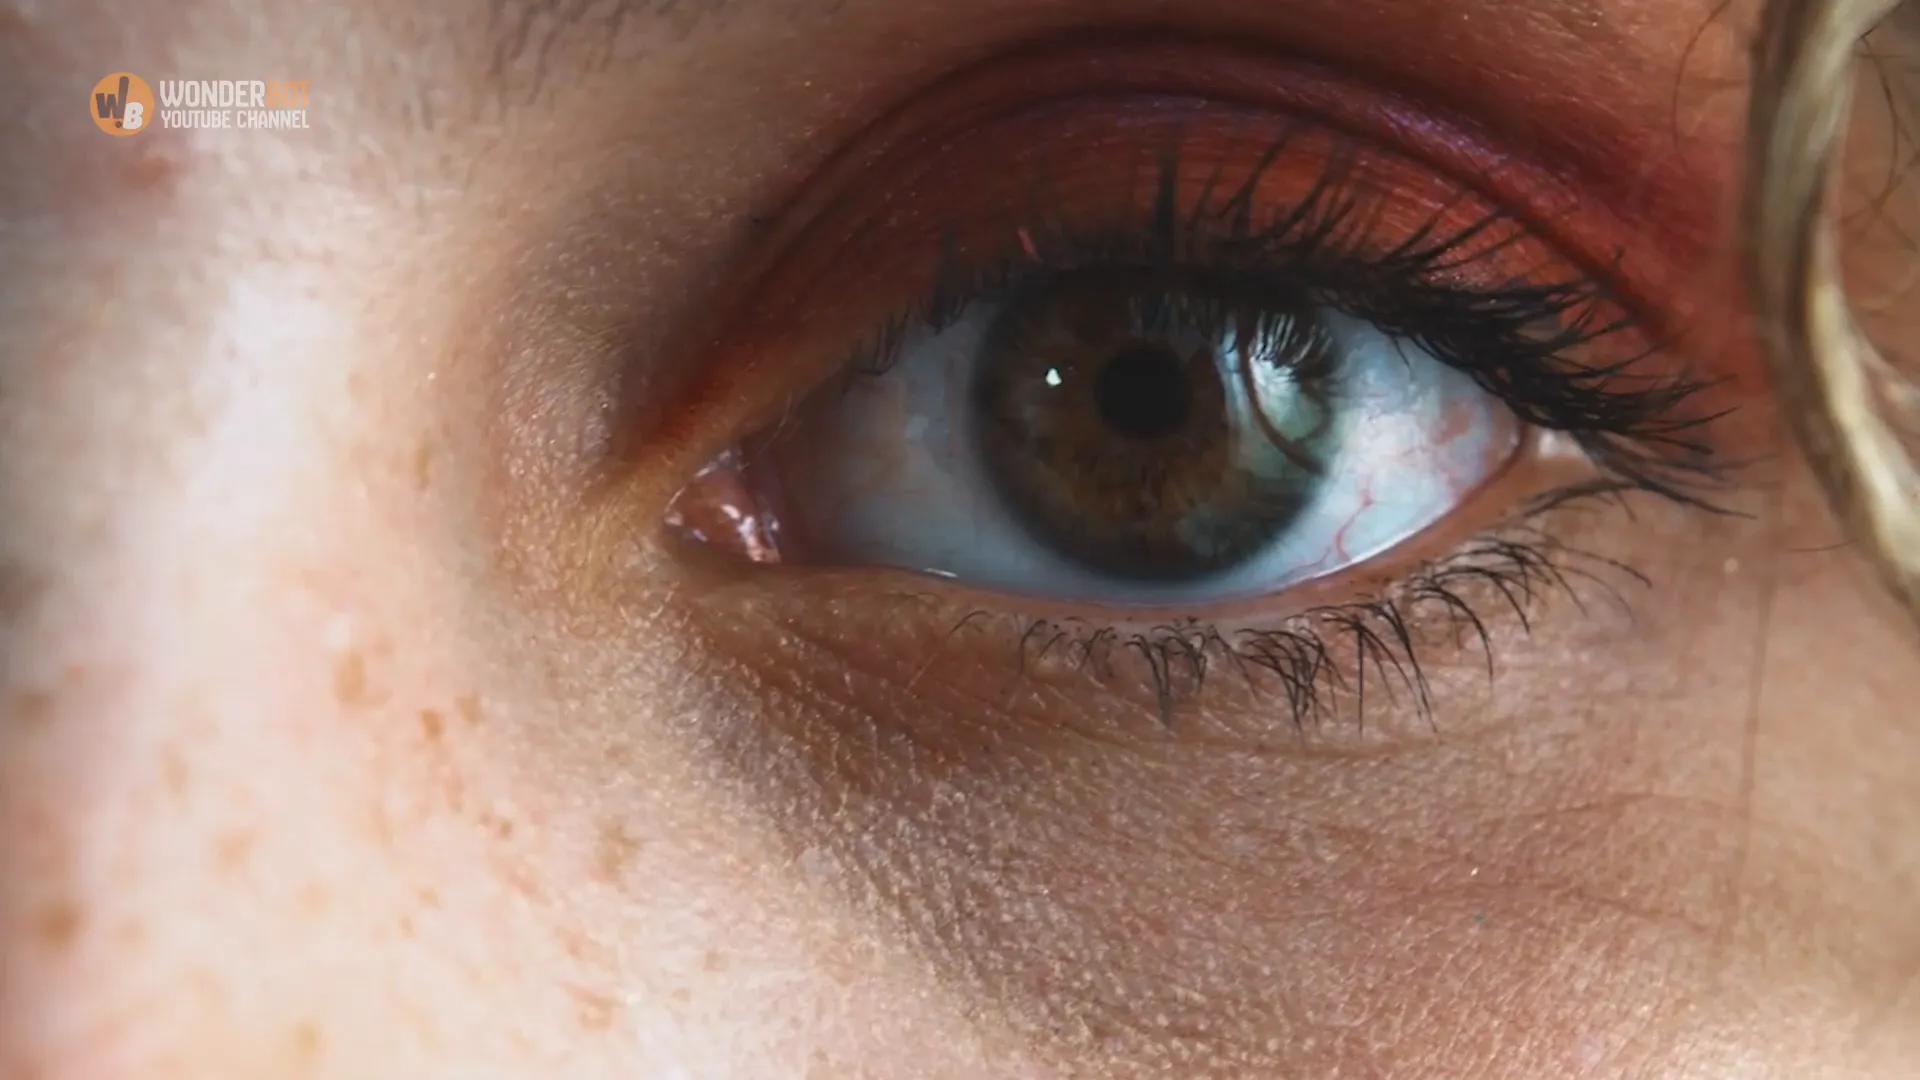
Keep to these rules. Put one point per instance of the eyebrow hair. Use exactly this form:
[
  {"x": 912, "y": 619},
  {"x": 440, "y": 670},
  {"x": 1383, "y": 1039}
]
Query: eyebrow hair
[{"x": 523, "y": 33}]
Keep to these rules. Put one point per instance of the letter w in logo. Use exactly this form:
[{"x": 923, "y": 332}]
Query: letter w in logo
[{"x": 112, "y": 105}]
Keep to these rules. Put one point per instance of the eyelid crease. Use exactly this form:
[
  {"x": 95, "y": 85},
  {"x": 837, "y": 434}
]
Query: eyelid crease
[
  {"x": 1569, "y": 201},
  {"x": 774, "y": 310}
]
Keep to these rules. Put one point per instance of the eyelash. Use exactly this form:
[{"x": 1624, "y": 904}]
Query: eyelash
[
  {"x": 1631, "y": 431},
  {"x": 1515, "y": 339},
  {"x": 1513, "y": 564}
]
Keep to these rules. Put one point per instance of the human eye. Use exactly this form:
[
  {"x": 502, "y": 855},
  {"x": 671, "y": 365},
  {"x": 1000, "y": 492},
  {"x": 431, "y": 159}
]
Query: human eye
[{"x": 1172, "y": 384}]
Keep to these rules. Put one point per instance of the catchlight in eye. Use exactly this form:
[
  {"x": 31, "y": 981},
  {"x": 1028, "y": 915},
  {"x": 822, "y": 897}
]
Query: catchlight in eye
[{"x": 1116, "y": 438}]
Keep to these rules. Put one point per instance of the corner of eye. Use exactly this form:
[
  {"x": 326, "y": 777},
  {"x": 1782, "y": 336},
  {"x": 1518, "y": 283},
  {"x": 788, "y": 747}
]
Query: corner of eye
[{"x": 693, "y": 558}]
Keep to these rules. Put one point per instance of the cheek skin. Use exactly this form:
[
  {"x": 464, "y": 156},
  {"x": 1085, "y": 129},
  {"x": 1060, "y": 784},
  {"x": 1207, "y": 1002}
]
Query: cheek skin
[
  {"x": 1189, "y": 903},
  {"x": 297, "y": 775}
]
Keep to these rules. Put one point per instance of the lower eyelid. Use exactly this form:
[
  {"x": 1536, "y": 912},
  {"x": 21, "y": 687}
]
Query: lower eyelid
[{"x": 1374, "y": 660}]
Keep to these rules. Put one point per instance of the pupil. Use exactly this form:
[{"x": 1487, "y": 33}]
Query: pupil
[
  {"x": 1142, "y": 392},
  {"x": 1150, "y": 433}
]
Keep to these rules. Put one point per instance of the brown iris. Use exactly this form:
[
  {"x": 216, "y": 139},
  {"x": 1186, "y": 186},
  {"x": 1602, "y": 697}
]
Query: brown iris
[{"x": 1149, "y": 431}]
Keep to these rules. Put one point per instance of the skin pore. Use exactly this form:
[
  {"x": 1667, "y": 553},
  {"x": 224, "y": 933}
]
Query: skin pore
[{"x": 356, "y": 719}]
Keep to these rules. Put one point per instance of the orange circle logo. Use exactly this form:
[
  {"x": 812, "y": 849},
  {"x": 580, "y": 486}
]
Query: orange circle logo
[{"x": 122, "y": 104}]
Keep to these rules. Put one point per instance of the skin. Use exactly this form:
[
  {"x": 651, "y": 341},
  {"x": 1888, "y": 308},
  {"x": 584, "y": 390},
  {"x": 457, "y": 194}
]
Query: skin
[{"x": 357, "y": 722}]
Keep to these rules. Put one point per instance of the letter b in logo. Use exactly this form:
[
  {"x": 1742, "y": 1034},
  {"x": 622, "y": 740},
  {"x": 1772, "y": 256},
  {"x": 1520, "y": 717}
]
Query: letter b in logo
[{"x": 122, "y": 103}]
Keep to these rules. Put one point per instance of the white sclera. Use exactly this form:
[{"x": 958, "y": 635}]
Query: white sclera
[{"x": 886, "y": 474}]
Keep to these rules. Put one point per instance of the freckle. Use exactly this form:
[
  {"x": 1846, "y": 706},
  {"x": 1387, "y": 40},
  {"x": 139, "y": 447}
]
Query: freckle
[
  {"x": 574, "y": 943},
  {"x": 151, "y": 171},
  {"x": 174, "y": 774},
  {"x": 424, "y": 1027},
  {"x": 422, "y": 467},
  {"x": 380, "y": 823},
  {"x": 312, "y": 899},
  {"x": 431, "y": 725},
  {"x": 596, "y": 1010},
  {"x": 230, "y": 851},
  {"x": 468, "y": 705},
  {"x": 429, "y": 898},
  {"x": 713, "y": 961},
  {"x": 682, "y": 996},
  {"x": 350, "y": 679},
  {"x": 306, "y": 1042},
  {"x": 58, "y": 924},
  {"x": 20, "y": 590},
  {"x": 520, "y": 881},
  {"x": 32, "y": 708},
  {"x": 615, "y": 849},
  {"x": 406, "y": 927}
]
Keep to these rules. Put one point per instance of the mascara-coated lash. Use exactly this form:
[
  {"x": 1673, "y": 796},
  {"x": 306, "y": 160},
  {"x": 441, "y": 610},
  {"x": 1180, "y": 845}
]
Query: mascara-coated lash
[{"x": 1528, "y": 339}]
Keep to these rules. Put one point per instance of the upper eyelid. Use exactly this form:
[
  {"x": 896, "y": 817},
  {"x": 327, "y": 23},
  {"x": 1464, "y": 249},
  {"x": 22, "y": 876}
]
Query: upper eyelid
[
  {"x": 1575, "y": 210},
  {"x": 748, "y": 332},
  {"x": 921, "y": 232}
]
